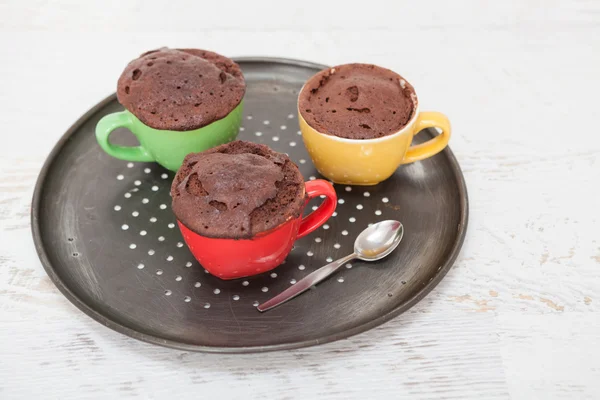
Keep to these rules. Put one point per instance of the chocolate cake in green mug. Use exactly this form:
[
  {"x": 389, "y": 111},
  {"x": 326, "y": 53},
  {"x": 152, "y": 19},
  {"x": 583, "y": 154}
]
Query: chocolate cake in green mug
[{"x": 177, "y": 101}]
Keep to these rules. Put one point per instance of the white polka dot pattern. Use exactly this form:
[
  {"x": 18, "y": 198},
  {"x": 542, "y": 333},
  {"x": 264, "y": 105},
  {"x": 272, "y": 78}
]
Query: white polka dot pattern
[{"x": 169, "y": 259}]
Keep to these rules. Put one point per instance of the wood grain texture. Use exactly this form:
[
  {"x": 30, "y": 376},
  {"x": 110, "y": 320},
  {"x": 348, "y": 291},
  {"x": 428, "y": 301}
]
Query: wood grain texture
[{"x": 517, "y": 317}]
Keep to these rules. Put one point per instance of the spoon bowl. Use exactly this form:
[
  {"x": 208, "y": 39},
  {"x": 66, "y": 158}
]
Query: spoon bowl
[{"x": 378, "y": 240}]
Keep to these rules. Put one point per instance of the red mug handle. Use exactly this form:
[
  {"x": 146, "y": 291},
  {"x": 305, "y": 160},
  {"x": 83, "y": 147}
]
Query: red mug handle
[{"x": 318, "y": 217}]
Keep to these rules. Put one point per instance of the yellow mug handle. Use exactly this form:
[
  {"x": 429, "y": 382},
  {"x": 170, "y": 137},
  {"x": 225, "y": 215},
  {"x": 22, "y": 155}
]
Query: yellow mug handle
[{"x": 429, "y": 119}]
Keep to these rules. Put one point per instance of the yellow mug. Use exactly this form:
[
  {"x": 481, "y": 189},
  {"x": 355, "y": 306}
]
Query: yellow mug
[{"x": 371, "y": 161}]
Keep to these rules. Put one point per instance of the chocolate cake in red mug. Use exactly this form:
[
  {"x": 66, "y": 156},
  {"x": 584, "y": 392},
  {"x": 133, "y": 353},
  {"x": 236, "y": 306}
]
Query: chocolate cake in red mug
[{"x": 239, "y": 207}]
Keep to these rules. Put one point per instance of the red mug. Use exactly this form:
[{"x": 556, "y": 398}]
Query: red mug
[{"x": 237, "y": 258}]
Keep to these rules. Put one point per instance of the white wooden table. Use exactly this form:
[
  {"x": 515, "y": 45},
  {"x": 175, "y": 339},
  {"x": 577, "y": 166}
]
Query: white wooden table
[{"x": 517, "y": 317}]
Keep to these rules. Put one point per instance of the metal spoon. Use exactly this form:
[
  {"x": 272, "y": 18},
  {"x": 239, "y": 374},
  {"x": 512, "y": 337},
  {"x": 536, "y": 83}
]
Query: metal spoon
[{"x": 374, "y": 243}]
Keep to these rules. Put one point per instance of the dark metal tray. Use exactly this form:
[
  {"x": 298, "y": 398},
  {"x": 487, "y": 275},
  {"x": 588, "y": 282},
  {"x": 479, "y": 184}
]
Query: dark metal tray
[{"x": 105, "y": 233}]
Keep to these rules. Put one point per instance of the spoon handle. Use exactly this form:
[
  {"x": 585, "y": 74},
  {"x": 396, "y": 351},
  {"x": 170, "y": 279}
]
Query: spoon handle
[{"x": 305, "y": 283}]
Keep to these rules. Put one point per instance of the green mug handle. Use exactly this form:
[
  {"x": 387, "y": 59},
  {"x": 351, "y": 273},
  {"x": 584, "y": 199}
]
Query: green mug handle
[{"x": 119, "y": 120}]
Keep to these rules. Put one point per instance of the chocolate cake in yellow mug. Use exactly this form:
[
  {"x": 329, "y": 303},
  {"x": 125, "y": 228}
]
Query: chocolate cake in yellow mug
[{"x": 358, "y": 122}]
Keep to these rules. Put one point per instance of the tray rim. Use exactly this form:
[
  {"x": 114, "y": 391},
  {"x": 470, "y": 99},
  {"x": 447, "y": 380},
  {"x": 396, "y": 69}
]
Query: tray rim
[{"x": 151, "y": 339}]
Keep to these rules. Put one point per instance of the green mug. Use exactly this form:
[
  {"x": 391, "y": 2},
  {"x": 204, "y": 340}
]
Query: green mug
[{"x": 168, "y": 148}]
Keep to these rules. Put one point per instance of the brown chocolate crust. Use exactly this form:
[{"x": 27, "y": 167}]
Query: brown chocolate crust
[
  {"x": 357, "y": 101},
  {"x": 237, "y": 190},
  {"x": 180, "y": 89}
]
